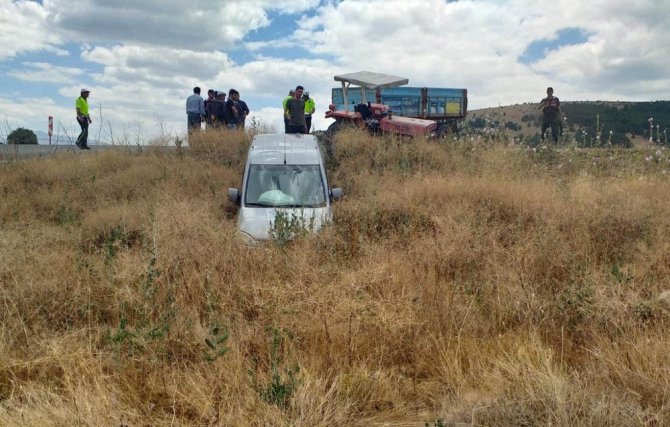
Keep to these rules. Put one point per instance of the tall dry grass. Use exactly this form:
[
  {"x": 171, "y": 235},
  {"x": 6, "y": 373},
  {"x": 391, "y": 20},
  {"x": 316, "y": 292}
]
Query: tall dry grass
[{"x": 462, "y": 282}]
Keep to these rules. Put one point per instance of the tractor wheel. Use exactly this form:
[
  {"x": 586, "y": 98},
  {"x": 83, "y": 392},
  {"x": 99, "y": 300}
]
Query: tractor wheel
[
  {"x": 445, "y": 129},
  {"x": 329, "y": 140},
  {"x": 442, "y": 130},
  {"x": 333, "y": 129}
]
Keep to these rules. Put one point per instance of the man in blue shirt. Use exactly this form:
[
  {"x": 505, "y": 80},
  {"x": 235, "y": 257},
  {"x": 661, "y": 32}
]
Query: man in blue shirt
[{"x": 195, "y": 110}]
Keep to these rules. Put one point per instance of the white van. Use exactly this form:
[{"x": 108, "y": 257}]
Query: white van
[{"x": 284, "y": 173}]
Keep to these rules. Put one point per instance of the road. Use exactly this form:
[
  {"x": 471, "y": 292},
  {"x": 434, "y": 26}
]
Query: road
[{"x": 12, "y": 152}]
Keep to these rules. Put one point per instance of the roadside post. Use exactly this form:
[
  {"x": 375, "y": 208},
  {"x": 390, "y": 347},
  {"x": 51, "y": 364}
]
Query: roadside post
[{"x": 51, "y": 128}]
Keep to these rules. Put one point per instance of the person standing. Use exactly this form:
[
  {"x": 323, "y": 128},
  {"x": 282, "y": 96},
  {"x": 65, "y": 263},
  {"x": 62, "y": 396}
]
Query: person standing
[
  {"x": 551, "y": 114},
  {"x": 83, "y": 118},
  {"x": 234, "y": 110},
  {"x": 309, "y": 110},
  {"x": 216, "y": 110},
  {"x": 195, "y": 110},
  {"x": 243, "y": 110},
  {"x": 211, "y": 95},
  {"x": 295, "y": 112},
  {"x": 223, "y": 116},
  {"x": 291, "y": 93}
]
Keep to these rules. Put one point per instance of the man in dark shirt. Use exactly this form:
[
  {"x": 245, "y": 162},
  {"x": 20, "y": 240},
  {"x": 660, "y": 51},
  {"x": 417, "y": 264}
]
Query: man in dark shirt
[
  {"x": 551, "y": 114},
  {"x": 240, "y": 107},
  {"x": 243, "y": 111},
  {"x": 291, "y": 94},
  {"x": 216, "y": 110},
  {"x": 232, "y": 109},
  {"x": 211, "y": 94},
  {"x": 295, "y": 112}
]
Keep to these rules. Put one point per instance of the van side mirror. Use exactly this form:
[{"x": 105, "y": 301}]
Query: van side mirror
[
  {"x": 234, "y": 195},
  {"x": 336, "y": 194}
]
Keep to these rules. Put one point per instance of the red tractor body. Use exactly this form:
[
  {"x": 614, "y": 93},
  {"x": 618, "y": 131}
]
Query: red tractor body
[{"x": 378, "y": 117}]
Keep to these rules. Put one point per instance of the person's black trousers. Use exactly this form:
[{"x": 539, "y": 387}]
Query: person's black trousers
[{"x": 82, "y": 139}]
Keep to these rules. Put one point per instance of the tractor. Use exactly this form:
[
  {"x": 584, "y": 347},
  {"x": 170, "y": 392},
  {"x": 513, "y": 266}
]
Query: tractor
[{"x": 375, "y": 117}]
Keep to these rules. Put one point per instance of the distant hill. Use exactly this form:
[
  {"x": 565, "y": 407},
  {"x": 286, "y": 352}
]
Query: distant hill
[{"x": 626, "y": 120}]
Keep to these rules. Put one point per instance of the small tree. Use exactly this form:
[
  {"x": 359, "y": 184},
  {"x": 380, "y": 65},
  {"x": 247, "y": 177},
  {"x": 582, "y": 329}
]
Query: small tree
[{"x": 22, "y": 136}]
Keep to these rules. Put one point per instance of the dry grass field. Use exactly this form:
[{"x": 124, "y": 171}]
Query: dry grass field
[{"x": 461, "y": 283}]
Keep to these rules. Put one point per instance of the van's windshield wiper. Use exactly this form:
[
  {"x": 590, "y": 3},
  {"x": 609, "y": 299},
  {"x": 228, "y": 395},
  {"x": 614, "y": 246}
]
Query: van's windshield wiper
[
  {"x": 286, "y": 205},
  {"x": 278, "y": 205},
  {"x": 290, "y": 206},
  {"x": 265, "y": 205}
]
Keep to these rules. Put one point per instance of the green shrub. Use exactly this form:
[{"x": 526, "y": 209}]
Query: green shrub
[{"x": 22, "y": 136}]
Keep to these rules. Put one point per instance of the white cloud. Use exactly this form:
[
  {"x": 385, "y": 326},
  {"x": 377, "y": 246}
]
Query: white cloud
[
  {"x": 433, "y": 43},
  {"x": 46, "y": 73},
  {"x": 197, "y": 25},
  {"x": 161, "y": 67},
  {"x": 624, "y": 58},
  {"x": 476, "y": 45},
  {"x": 23, "y": 29},
  {"x": 200, "y": 25}
]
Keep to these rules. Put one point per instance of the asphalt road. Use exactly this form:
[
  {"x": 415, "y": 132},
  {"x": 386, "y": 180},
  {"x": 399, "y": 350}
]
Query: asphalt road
[{"x": 10, "y": 152}]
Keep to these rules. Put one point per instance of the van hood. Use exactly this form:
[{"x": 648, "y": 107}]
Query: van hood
[{"x": 257, "y": 222}]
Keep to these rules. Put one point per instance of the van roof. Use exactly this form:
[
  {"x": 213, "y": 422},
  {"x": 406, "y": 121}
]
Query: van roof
[{"x": 280, "y": 148}]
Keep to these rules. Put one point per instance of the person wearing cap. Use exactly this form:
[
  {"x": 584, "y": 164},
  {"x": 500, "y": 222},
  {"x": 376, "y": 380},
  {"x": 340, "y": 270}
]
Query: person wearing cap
[
  {"x": 309, "y": 109},
  {"x": 195, "y": 110},
  {"x": 83, "y": 118},
  {"x": 291, "y": 94}
]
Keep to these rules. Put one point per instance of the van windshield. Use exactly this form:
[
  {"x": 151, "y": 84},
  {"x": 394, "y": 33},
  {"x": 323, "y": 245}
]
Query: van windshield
[{"x": 285, "y": 186}]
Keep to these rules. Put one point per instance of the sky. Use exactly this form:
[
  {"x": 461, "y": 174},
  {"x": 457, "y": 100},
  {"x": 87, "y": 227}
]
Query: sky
[{"x": 141, "y": 59}]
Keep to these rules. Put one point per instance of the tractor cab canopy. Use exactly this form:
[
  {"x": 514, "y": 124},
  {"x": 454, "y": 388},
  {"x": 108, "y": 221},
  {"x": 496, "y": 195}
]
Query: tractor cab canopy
[{"x": 368, "y": 80}]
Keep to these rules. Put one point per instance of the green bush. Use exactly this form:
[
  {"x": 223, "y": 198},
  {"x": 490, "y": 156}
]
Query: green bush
[{"x": 22, "y": 136}]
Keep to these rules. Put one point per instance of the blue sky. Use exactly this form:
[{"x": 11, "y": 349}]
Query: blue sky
[
  {"x": 141, "y": 59},
  {"x": 539, "y": 49}
]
